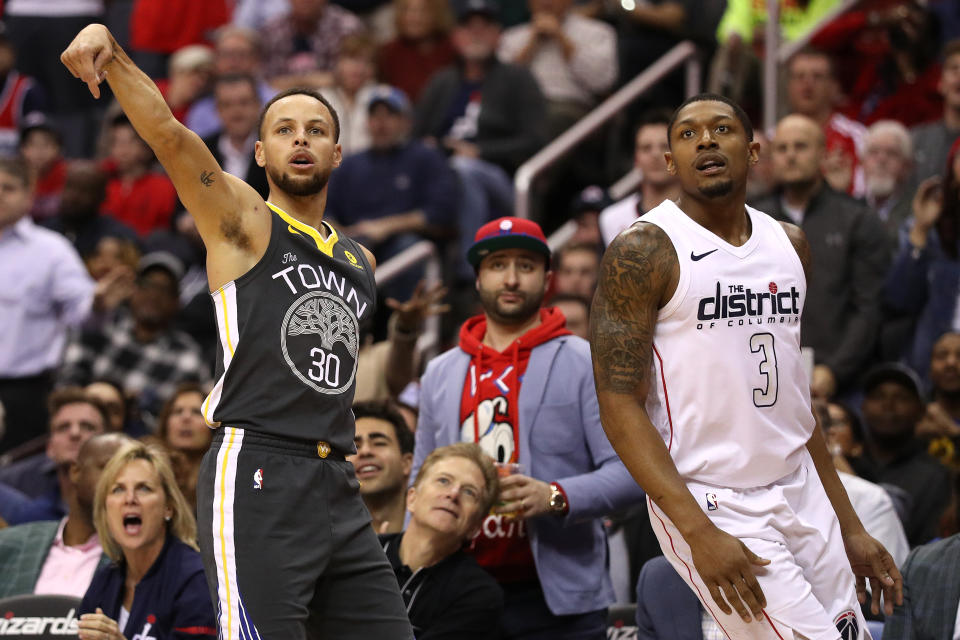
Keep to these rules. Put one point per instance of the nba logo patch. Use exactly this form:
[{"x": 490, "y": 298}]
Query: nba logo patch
[
  {"x": 258, "y": 479},
  {"x": 712, "y": 502},
  {"x": 847, "y": 625}
]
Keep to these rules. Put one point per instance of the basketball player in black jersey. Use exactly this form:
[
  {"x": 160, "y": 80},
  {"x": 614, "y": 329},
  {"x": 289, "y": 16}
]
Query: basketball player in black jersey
[{"x": 286, "y": 540}]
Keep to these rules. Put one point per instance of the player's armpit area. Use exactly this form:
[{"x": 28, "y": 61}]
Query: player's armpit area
[
  {"x": 638, "y": 275},
  {"x": 799, "y": 241}
]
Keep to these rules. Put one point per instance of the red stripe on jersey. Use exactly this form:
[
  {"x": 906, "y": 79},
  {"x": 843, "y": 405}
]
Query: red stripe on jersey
[
  {"x": 197, "y": 631},
  {"x": 689, "y": 572},
  {"x": 772, "y": 626},
  {"x": 666, "y": 397}
]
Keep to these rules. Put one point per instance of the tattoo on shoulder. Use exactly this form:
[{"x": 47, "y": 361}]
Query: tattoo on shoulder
[
  {"x": 636, "y": 268},
  {"x": 206, "y": 177}
]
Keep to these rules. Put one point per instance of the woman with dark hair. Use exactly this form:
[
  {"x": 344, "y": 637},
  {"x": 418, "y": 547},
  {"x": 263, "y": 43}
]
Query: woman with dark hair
[
  {"x": 183, "y": 432},
  {"x": 924, "y": 280},
  {"x": 422, "y": 46}
]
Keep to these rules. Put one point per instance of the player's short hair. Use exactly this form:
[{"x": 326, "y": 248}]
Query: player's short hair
[
  {"x": 472, "y": 452},
  {"x": 386, "y": 411},
  {"x": 738, "y": 111},
  {"x": 59, "y": 398},
  {"x": 16, "y": 167},
  {"x": 301, "y": 91}
]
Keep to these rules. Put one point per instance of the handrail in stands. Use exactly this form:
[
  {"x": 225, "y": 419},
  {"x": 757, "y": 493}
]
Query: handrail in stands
[
  {"x": 423, "y": 252},
  {"x": 685, "y": 52}
]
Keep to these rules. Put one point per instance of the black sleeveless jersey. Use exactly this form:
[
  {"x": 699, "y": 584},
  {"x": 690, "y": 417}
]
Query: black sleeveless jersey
[{"x": 289, "y": 337}]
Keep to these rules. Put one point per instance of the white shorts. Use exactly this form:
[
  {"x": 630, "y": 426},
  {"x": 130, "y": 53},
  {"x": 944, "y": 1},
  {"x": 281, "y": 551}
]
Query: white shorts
[{"x": 808, "y": 584}]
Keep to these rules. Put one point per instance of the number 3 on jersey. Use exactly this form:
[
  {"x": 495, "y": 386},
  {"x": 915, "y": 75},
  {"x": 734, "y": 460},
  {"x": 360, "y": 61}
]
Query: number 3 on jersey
[{"x": 762, "y": 343}]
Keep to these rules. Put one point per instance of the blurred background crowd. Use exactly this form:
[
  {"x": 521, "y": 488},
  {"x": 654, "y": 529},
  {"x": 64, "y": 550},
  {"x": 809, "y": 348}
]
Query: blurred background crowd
[{"x": 106, "y": 326}]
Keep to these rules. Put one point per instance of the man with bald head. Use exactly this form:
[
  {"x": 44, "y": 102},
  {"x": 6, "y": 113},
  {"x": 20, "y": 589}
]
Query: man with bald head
[
  {"x": 849, "y": 252},
  {"x": 60, "y": 557}
]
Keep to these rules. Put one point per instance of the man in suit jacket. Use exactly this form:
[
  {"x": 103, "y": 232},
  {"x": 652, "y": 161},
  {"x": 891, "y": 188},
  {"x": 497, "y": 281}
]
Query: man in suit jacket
[
  {"x": 60, "y": 557},
  {"x": 931, "y": 594},
  {"x": 521, "y": 386},
  {"x": 238, "y": 105}
]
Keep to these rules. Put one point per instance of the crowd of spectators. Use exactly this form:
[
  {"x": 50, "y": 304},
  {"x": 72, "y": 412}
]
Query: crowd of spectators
[{"x": 107, "y": 334}]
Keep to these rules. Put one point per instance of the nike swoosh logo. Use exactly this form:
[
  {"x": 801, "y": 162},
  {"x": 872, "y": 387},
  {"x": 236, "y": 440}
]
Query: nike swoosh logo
[{"x": 696, "y": 257}]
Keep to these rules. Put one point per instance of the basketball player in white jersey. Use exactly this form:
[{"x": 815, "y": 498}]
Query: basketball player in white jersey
[{"x": 695, "y": 332}]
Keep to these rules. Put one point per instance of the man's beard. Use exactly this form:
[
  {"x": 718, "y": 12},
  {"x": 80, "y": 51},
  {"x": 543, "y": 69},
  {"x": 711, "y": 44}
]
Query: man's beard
[
  {"x": 717, "y": 189},
  {"x": 529, "y": 307},
  {"x": 879, "y": 186},
  {"x": 299, "y": 187}
]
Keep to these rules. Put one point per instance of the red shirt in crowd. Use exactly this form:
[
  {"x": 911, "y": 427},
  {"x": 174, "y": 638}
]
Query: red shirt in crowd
[
  {"x": 489, "y": 415},
  {"x": 163, "y": 26},
  {"x": 145, "y": 205},
  {"x": 406, "y": 65}
]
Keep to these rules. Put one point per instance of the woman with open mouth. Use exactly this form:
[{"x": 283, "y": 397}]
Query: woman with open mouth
[{"x": 155, "y": 586}]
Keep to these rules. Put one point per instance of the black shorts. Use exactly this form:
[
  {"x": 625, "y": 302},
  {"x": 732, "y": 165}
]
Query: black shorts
[{"x": 287, "y": 544}]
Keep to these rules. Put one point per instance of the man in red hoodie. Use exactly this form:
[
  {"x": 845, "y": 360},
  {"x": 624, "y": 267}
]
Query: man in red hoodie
[{"x": 519, "y": 385}]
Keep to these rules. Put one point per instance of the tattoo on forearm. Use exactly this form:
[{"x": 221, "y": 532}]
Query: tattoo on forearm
[
  {"x": 206, "y": 177},
  {"x": 624, "y": 312}
]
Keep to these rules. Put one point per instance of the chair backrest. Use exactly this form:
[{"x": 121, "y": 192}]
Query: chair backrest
[{"x": 621, "y": 622}]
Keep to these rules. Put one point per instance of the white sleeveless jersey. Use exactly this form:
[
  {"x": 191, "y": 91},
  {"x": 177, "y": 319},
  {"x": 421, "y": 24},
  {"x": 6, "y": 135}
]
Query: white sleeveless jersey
[{"x": 729, "y": 394}]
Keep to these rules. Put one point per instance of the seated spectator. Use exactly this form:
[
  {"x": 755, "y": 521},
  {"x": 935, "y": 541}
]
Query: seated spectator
[
  {"x": 489, "y": 116},
  {"x": 44, "y": 290},
  {"x": 422, "y": 46},
  {"x": 901, "y": 80},
  {"x": 78, "y": 215},
  {"x": 238, "y": 107},
  {"x": 300, "y": 47},
  {"x": 20, "y": 97},
  {"x": 416, "y": 190},
  {"x": 892, "y": 407},
  {"x": 656, "y": 183},
  {"x": 446, "y": 593},
  {"x": 925, "y": 276},
  {"x": 585, "y": 213},
  {"x": 848, "y": 246},
  {"x": 182, "y": 430},
  {"x": 382, "y": 462},
  {"x": 136, "y": 195},
  {"x": 42, "y": 147},
  {"x": 887, "y": 160},
  {"x": 576, "y": 309},
  {"x": 141, "y": 349},
  {"x": 155, "y": 585},
  {"x": 236, "y": 51},
  {"x": 188, "y": 78},
  {"x": 113, "y": 266},
  {"x": 576, "y": 268},
  {"x": 52, "y": 557},
  {"x": 940, "y": 425},
  {"x": 353, "y": 84},
  {"x": 930, "y": 595},
  {"x": 573, "y": 58},
  {"x": 932, "y": 141},
  {"x": 846, "y": 440},
  {"x": 667, "y": 608},
  {"x": 813, "y": 91},
  {"x": 110, "y": 394},
  {"x": 75, "y": 418}
]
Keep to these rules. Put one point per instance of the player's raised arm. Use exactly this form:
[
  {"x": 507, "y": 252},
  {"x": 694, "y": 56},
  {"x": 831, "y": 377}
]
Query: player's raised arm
[
  {"x": 638, "y": 276},
  {"x": 215, "y": 199}
]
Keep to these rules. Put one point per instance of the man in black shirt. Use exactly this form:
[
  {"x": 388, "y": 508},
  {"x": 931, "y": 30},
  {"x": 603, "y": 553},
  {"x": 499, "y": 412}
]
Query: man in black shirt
[{"x": 446, "y": 593}]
